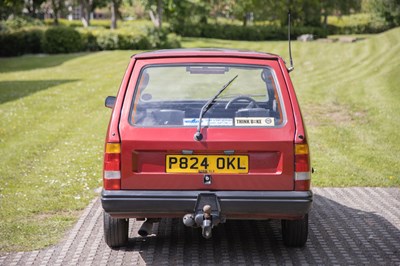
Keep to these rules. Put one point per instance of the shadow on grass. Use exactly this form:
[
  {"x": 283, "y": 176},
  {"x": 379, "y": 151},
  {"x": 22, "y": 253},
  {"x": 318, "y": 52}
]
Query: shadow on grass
[
  {"x": 13, "y": 90},
  {"x": 29, "y": 62}
]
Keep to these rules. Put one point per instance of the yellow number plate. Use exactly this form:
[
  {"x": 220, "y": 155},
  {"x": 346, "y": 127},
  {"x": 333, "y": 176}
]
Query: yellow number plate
[{"x": 220, "y": 164}]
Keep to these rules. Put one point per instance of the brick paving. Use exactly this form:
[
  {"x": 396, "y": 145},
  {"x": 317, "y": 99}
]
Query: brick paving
[{"x": 348, "y": 226}]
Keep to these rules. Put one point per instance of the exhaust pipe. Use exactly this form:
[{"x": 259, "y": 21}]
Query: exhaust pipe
[{"x": 147, "y": 227}]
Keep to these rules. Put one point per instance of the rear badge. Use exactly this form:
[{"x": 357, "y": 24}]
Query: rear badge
[{"x": 254, "y": 121}]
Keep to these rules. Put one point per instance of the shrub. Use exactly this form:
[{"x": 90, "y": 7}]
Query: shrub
[
  {"x": 62, "y": 40},
  {"x": 173, "y": 41},
  {"x": 357, "y": 29},
  {"x": 250, "y": 33},
  {"x": 133, "y": 41},
  {"x": 143, "y": 43},
  {"x": 22, "y": 22},
  {"x": 89, "y": 41},
  {"x": 94, "y": 23},
  {"x": 3, "y": 27},
  {"x": 33, "y": 41},
  {"x": 11, "y": 44},
  {"x": 21, "y": 42},
  {"x": 107, "y": 40},
  {"x": 161, "y": 38},
  {"x": 112, "y": 40}
]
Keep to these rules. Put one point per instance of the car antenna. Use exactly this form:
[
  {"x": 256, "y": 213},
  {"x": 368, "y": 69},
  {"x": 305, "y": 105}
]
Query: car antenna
[{"x": 290, "y": 69}]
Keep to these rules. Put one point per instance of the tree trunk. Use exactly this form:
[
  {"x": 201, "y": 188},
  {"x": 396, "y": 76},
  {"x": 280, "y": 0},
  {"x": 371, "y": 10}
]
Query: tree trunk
[
  {"x": 153, "y": 18},
  {"x": 325, "y": 20},
  {"x": 85, "y": 13},
  {"x": 56, "y": 7},
  {"x": 113, "y": 15},
  {"x": 159, "y": 13},
  {"x": 157, "y": 18},
  {"x": 55, "y": 19}
]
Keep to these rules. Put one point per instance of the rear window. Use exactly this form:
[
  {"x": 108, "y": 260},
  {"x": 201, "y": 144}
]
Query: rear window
[{"x": 173, "y": 96}]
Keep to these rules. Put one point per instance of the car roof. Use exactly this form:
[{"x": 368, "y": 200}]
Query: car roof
[{"x": 204, "y": 52}]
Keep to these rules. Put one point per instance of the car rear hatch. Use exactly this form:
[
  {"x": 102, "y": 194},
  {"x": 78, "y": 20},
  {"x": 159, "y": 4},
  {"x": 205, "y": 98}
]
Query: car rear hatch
[
  {"x": 233, "y": 157},
  {"x": 241, "y": 159}
]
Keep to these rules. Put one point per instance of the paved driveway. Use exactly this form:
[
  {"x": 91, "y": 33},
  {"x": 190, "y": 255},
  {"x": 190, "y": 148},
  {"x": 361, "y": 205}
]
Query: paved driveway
[{"x": 347, "y": 226}]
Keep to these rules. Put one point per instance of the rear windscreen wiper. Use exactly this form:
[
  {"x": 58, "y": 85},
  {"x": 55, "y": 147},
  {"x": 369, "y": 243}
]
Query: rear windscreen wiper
[{"x": 198, "y": 136}]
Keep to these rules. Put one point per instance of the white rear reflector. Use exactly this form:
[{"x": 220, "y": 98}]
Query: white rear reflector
[
  {"x": 112, "y": 174},
  {"x": 300, "y": 176}
]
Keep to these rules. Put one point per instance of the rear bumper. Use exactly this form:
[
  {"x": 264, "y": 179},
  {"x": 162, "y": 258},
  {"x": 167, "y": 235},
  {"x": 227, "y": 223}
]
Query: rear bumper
[{"x": 234, "y": 204}]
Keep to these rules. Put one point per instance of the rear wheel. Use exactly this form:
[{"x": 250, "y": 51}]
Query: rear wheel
[
  {"x": 295, "y": 232},
  {"x": 115, "y": 231}
]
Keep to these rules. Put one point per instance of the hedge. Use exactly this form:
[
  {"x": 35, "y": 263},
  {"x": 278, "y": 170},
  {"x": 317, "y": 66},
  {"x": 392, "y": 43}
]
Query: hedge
[
  {"x": 249, "y": 33},
  {"x": 21, "y": 42},
  {"x": 112, "y": 40},
  {"x": 63, "y": 39},
  {"x": 270, "y": 32},
  {"x": 357, "y": 29}
]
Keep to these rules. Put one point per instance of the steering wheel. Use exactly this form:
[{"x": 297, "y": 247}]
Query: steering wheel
[{"x": 242, "y": 98}]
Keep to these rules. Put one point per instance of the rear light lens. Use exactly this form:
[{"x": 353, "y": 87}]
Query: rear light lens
[
  {"x": 112, "y": 166},
  {"x": 302, "y": 167}
]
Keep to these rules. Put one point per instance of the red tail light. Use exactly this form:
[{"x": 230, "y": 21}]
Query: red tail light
[
  {"x": 112, "y": 167},
  {"x": 302, "y": 167}
]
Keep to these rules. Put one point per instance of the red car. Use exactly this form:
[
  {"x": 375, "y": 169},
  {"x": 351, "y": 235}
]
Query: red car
[{"x": 206, "y": 135}]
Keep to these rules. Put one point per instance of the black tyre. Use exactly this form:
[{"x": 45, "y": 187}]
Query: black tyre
[
  {"x": 115, "y": 231},
  {"x": 295, "y": 232}
]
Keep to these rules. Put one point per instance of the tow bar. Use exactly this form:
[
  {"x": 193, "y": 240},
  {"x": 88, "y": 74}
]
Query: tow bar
[{"x": 207, "y": 214}]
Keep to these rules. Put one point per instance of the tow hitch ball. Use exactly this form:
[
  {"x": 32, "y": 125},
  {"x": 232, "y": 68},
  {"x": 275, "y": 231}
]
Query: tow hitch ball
[{"x": 206, "y": 216}]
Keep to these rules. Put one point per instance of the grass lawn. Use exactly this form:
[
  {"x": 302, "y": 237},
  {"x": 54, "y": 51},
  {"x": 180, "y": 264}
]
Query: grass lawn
[{"x": 53, "y": 123}]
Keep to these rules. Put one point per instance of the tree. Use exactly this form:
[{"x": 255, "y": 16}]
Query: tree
[
  {"x": 220, "y": 8},
  {"x": 309, "y": 12},
  {"x": 86, "y": 8},
  {"x": 329, "y": 7},
  {"x": 388, "y": 10},
  {"x": 243, "y": 10},
  {"x": 303, "y": 12},
  {"x": 57, "y": 6},
  {"x": 33, "y": 7},
  {"x": 114, "y": 6},
  {"x": 252, "y": 10},
  {"x": 178, "y": 13},
  {"x": 156, "y": 9},
  {"x": 10, "y": 7}
]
